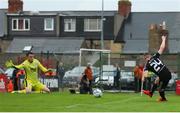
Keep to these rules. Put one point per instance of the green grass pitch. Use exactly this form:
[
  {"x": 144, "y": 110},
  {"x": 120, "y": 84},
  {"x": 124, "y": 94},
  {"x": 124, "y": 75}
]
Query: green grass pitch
[{"x": 66, "y": 102}]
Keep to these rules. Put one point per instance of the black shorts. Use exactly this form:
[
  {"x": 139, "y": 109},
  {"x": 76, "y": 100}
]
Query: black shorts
[{"x": 165, "y": 75}]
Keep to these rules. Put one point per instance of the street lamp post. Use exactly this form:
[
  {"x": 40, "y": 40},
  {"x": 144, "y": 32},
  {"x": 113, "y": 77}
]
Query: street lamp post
[
  {"x": 102, "y": 37},
  {"x": 102, "y": 22}
]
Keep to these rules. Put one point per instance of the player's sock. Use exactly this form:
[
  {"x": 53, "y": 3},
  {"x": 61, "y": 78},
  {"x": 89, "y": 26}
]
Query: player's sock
[
  {"x": 154, "y": 87},
  {"x": 19, "y": 91},
  {"x": 37, "y": 92},
  {"x": 22, "y": 91},
  {"x": 14, "y": 92},
  {"x": 162, "y": 94}
]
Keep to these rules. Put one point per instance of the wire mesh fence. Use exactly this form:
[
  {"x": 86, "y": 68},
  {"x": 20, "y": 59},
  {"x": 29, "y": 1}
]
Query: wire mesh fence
[{"x": 104, "y": 67}]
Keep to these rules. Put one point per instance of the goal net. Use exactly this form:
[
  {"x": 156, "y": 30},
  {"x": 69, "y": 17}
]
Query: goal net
[
  {"x": 97, "y": 57},
  {"x": 103, "y": 71}
]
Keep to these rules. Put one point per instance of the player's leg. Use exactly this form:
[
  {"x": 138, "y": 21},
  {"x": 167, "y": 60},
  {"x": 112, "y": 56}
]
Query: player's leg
[
  {"x": 155, "y": 85},
  {"x": 153, "y": 88},
  {"x": 28, "y": 87},
  {"x": 163, "y": 85},
  {"x": 90, "y": 87},
  {"x": 46, "y": 89},
  {"x": 39, "y": 87}
]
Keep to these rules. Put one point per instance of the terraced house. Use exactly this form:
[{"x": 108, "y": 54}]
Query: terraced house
[
  {"x": 54, "y": 27},
  {"x": 124, "y": 31}
]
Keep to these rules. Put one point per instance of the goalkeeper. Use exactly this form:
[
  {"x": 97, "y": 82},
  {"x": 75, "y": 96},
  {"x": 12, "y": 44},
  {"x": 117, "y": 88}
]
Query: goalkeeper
[{"x": 31, "y": 65}]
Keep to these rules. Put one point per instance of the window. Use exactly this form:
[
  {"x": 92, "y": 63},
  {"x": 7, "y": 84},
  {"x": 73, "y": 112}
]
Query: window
[
  {"x": 92, "y": 25},
  {"x": 49, "y": 24},
  {"x": 27, "y": 48},
  {"x": 20, "y": 24},
  {"x": 69, "y": 25},
  {"x": 26, "y": 24},
  {"x": 14, "y": 24}
]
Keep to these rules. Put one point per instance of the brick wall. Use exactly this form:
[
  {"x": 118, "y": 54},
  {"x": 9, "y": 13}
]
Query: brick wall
[{"x": 155, "y": 33}]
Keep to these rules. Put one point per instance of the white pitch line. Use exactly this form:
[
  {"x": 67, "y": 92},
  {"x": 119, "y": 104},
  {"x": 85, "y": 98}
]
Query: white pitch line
[
  {"x": 74, "y": 105},
  {"x": 120, "y": 101}
]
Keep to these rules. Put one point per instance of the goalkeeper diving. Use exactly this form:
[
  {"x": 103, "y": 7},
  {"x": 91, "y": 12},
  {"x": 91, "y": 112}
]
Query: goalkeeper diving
[{"x": 31, "y": 81}]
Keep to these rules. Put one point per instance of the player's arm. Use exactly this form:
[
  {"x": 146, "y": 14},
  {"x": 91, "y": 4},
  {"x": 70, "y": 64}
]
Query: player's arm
[
  {"x": 11, "y": 64},
  {"x": 156, "y": 80},
  {"x": 45, "y": 70},
  {"x": 163, "y": 45},
  {"x": 21, "y": 66},
  {"x": 145, "y": 74}
]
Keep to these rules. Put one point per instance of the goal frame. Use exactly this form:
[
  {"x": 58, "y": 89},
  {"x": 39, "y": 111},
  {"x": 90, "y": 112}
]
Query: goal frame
[{"x": 94, "y": 50}]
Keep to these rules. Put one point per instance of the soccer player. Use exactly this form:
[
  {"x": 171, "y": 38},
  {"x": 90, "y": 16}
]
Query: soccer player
[
  {"x": 31, "y": 65},
  {"x": 84, "y": 85},
  {"x": 154, "y": 64}
]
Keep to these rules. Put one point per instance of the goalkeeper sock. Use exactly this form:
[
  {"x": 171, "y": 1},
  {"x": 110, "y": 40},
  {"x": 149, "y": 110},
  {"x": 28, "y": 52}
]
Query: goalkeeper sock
[
  {"x": 22, "y": 91},
  {"x": 37, "y": 92},
  {"x": 19, "y": 91}
]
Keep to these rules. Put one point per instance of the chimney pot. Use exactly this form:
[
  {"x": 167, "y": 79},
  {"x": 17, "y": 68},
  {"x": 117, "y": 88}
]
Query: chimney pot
[{"x": 124, "y": 7}]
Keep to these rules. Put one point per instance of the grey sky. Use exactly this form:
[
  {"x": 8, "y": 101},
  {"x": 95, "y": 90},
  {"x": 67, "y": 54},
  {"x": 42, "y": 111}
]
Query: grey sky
[{"x": 137, "y": 5}]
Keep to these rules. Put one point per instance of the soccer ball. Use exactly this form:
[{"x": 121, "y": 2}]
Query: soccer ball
[{"x": 97, "y": 93}]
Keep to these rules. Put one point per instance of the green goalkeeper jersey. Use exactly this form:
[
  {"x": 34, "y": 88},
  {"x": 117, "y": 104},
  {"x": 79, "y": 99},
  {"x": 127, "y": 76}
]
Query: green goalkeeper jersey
[{"x": 31, "y": 69}]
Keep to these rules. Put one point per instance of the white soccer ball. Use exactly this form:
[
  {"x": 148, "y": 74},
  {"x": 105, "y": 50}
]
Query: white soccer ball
[{"x": 97, "y": 93}]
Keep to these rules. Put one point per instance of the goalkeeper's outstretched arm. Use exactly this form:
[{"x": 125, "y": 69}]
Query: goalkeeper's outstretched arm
[
  {"x": 9, "y": 64},
  {"x": 45, "y": 70}
]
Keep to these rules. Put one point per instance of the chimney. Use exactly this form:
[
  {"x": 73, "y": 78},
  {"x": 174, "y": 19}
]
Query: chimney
[
  {"x": 154, "y": 38},
  {"x": 155, "y": 33},
  {"x": 124, "y": 8},
  {"x": 15, "y": 6}
]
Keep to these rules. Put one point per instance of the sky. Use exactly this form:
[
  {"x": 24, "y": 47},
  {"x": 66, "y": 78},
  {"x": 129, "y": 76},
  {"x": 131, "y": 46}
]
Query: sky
[{"x": 137, "y": 5}]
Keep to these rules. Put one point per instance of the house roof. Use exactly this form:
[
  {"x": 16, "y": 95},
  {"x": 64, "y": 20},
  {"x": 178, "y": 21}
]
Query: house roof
[
  {"x": 67, "y": 13},
  {"x": 174, "y": 45},
  {"x": 53, "y": 45},
  {"x": 136, "y": 46},
  {"x": 137, "y": 25},
  {"x": 2, "y": 22},
  {"x": 88, "y": 13}
]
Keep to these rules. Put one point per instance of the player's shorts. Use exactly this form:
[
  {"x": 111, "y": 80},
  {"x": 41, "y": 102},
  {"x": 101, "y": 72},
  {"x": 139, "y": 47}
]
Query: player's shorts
[
  {"x": 36, "y": 86},
  {"x": 165, "y": 75}
]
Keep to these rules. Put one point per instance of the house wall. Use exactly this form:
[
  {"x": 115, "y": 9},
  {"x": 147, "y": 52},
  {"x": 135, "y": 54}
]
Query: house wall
[
  {"x": 108, "y": 29},
  {"x": 36, "y": 27},
  {"x": 4, "y": 44},
  {"x": 3, "y": 25}
]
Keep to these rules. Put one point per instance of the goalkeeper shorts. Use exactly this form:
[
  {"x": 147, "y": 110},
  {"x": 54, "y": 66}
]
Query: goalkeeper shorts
[{"x": 35, "y": 86}]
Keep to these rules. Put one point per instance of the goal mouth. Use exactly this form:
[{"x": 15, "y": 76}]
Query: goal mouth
[{"x": 103, "y": 51}]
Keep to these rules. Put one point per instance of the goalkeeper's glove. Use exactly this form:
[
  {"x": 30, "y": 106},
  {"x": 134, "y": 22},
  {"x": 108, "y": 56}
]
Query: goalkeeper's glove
[
  {"x": 49, "y": 70},
  {"x": 9, "y": 64}
]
